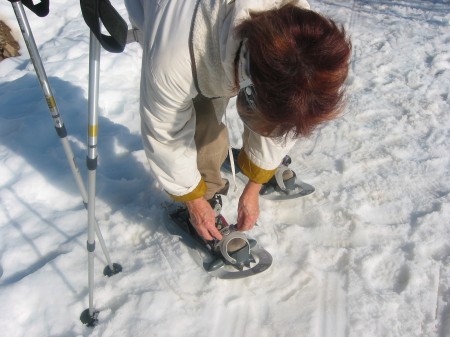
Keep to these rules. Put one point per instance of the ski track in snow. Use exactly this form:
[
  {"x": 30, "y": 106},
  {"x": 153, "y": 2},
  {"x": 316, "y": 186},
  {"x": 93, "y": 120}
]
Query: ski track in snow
[
  {"x": 367, "y": 255},
  {"x": 332, "y": 306}
]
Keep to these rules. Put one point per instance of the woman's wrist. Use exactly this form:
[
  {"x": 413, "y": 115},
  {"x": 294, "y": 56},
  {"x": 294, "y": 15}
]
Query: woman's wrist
[{"x": 252, "y": 187}]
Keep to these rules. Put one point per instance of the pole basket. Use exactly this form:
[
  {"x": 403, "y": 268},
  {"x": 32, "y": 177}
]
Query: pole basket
[
  {"x": 89, "y": 320},
  {"x": 117, "y": 268}
]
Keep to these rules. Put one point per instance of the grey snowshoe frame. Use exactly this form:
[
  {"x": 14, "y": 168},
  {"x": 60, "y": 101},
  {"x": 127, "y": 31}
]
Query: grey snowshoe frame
[{"x": 213, "y": 256}]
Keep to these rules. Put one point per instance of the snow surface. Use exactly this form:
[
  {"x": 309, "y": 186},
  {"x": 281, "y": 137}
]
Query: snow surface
[{"x": 367, "y": 255}]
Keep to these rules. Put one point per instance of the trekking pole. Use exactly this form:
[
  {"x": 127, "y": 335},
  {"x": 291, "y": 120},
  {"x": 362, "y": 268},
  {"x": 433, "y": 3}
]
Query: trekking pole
[
  {"x": 89, "y": 316},
  {"x": 111, "y": 268}
]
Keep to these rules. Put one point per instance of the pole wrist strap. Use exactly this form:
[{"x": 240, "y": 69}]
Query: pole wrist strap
[{"x": 97, "y": 12}]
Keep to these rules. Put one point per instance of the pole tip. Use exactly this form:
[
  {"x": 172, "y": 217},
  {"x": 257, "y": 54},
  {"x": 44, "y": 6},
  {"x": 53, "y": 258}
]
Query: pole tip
[
  {"x": 116, "y": 268},
  {"x": 89, "y": 320}
]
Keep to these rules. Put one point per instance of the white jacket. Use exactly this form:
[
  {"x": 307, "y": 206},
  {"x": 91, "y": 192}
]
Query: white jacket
[{"x": 168, "y": 86}]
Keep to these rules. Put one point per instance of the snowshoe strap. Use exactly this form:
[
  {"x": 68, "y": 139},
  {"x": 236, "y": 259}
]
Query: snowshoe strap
[
  {"x": 281, "y": 176},
  {"x": 232, "y": 164},
  {"x": 231, "y": 155},
  {"x": 234, "y": 246}
]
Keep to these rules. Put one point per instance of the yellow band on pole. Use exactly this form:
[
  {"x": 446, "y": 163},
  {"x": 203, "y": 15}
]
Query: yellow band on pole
[
  {"x": 51, "y": 102},
  {"x": 93, "y": 129}
]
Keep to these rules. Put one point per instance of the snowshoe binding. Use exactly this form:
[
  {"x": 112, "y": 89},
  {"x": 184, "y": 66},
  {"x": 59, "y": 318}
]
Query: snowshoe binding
[
  {"x": 284, "y": 185},
  {"x": 234, "y": 256}
]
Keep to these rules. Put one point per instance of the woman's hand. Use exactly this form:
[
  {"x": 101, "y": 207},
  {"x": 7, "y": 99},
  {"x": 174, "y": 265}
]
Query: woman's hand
[
  {"x": 248, "y": 208},
  {"x": 203, "y": 219}
]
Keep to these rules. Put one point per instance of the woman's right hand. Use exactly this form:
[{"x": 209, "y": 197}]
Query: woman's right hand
[{"x": 203, "y": 219}]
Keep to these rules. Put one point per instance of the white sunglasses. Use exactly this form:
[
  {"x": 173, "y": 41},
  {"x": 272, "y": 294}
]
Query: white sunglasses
[{"x": 245, "y": 82}]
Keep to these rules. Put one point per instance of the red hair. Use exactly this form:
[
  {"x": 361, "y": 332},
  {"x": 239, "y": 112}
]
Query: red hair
[{"x": 298, "y": 63}]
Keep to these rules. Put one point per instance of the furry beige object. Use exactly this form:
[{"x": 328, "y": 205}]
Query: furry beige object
[{"x": 8, "y": 45}]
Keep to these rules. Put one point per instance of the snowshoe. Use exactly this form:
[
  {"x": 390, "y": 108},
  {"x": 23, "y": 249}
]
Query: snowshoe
[
  {"x": 283, "y": 185},
  {"x": 234, "y": 256}
]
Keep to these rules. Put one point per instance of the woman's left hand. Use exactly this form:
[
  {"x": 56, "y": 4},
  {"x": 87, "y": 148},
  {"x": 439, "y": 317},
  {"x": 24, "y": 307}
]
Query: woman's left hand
[{"x": 248, "y": 208}]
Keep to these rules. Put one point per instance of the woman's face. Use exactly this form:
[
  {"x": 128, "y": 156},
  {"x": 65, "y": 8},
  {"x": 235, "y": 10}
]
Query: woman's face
[
  {"x": 253, "y": 120},
  {"x": 248, "y": 115}
]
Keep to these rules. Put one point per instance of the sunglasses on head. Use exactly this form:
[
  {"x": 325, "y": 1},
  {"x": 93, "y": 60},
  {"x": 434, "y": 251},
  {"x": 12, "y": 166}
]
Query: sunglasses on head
[{"x": 246, "y": 86}]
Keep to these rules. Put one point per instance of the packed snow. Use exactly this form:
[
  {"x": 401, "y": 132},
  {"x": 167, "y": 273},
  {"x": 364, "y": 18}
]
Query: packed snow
[{"x": 368, "y": 255}]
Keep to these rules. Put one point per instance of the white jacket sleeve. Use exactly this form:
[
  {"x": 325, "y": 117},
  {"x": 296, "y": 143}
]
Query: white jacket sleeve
[
  {"x": 262, "y": 155},
  {"x": 168, "y": 127},
  {"x": 167, "y": 89}
]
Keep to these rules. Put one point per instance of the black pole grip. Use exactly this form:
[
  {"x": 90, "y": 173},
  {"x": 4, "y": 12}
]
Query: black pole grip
[
  {"x": 41, "y": 9},
  {"x": 101, "y": 11}
]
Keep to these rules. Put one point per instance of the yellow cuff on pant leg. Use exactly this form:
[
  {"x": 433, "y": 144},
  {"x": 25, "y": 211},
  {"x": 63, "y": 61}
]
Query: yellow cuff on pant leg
[
  {"x": 198, "y": 192},
  {"x": 253, "y": 172}
]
